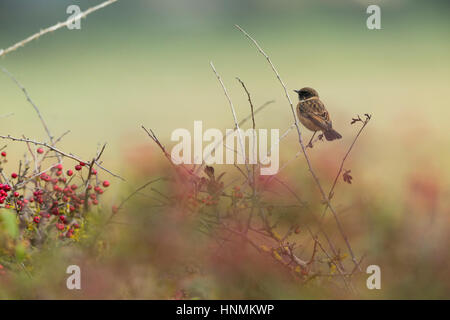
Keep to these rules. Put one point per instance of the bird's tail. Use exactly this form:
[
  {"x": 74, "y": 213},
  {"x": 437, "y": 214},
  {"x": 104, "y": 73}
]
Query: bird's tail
[{"x": 331, "y": 135}]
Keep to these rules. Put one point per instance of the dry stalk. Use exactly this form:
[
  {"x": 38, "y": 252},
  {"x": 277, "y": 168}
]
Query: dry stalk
[
  {"x": 325, "y": 199},
  {"x": 64, "y": 154},
  {"x": 55, "y": 27}
]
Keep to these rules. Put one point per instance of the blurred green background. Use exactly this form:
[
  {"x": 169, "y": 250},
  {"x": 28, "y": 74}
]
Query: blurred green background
[{"x": 147, "y": 62}]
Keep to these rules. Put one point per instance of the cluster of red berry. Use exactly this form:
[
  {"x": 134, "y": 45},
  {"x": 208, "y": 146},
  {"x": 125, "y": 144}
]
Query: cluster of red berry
[
  {"x": 4, "y": 189},
  {"x": 52, "y": 196},
  {"x": 237, "y": 192},
  {"x": 207, "y": 200}
]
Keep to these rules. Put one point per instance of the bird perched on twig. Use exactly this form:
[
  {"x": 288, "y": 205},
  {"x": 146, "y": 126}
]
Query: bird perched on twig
[{"x": 313, "y": 115}]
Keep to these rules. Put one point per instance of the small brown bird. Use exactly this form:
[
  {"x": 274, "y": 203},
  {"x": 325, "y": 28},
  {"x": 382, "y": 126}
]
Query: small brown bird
[{"x": 313, "y": 115}]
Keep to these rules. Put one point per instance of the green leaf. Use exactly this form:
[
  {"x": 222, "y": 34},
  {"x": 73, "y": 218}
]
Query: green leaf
[
  {"x": 20, "y": 252},
  {"x": 8, "y": 222}
]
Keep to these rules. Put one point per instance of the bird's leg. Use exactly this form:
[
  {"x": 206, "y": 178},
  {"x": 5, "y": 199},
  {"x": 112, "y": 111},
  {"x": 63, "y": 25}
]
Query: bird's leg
[{"x": 310, "y": 145}]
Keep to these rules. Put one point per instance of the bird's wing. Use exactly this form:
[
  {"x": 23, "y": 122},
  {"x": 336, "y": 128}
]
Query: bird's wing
[{"x": 316, "y": 112}]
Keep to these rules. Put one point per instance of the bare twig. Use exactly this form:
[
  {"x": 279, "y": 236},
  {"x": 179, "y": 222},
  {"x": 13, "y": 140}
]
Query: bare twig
[
  {"x": 5, "y": 178},
  {"x": 300, "y": 140},
  {"x": 91, "y": 167},
  {"x": 44, "y": 124},
  {"x": 253, "y": 181},
  {"x": 242, "y": 122},
  {"x": 55, "y": 27},
  {"x": 338, "y": 268},
  {"x": 241, "y": 140},
  {"x": 249, "y": 101},
  {"x": 25, "y": 182},
  {"x": 153, "y": 136},
  {"x": 65, "y": 154},
  {"x": 55, "y": 142},
  {"x": 331, "y": 192},
  {"x": 365, "y": 122}
]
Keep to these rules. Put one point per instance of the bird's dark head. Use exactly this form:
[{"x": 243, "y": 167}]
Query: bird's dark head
[{"x": 306, "y": 93}]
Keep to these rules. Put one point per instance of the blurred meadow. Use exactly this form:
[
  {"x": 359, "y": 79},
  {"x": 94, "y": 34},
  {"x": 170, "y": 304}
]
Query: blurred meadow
[{"x": 147, "y": 63}]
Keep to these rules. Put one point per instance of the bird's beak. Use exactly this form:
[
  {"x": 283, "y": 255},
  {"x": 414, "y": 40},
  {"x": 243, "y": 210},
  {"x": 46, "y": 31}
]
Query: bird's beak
[{"x": 297, "y": 91}]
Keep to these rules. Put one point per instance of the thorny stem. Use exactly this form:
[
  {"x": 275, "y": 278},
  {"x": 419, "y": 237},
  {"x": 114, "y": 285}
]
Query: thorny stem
[
  {"x": 65, "y": 154},
  {"x": 55, "y": 27},
  {"x": 241, "y": 141},
  {"x": 242, "y": 122},
  {"x": 253, "y": 182},
  {"x": 325, "y": 199}
]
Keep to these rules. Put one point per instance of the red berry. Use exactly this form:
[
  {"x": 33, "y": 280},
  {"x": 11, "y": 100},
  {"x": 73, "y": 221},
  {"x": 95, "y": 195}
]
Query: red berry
[
  {"x": 106, "y": 183},
  {"x": 62, "y": 218},
  {"x": 3, "y": 154},
  {"x": 82, "y": 164},
  {"x": 37, "y": 219},
  {"x": 78, "y": 167},
  {"x": 69, "y": 173},
  {"x": 16, "y": 194},
  {"x": 14, "y": 175},
  {"x": 40, "y": 150},
  {"x": 59, "y": 166}
]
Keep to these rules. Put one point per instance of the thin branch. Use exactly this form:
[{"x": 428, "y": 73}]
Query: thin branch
[
  {"x": 242, "y": 122},
  {"x": 55, "y": 27},
  {"x": 241, "y": 140},
  {"x": 5, "y": 178},
  {"x": 86, "y": 187},
  {"x": 67, "y": 155},
  {"x": 153, "y": 136},
  {"x": 25, "y": 92},
  {"x": 254, "y": 128},
  {"x": 253, "y": 182},
  {"x": 300, "y": 140},
  {"x": 341, "y": 272},
  {"x": 55, "y": 143},
  {"x": 249, "y": 101},
  {"x": 330, "y": 194},
  {"x": 25, "y": 182}
]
